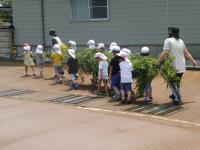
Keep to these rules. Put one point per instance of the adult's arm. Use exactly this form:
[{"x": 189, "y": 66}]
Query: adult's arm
[
  {"x": 163, "y": 56},
  {"x": 189, "y": 57}
]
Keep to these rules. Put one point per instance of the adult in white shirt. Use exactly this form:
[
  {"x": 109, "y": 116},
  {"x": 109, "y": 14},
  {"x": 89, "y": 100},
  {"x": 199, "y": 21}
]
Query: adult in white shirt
[{"x": 175, "y": 49}]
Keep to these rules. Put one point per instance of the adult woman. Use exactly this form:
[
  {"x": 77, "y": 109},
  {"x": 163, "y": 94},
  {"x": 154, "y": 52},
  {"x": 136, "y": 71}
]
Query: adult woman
[{"x": 175, "y": 49}]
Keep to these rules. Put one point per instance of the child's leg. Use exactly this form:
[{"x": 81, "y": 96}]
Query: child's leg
[
  {"x": 98, "y": 84},
  {"x": 33, "y": 69},
  {"x": 123, "y": 88},
  {"x": 41, "y": 71},
  {"x": 26, "y": 70},
  {"x": 129, "y": 89},
  {"x": 106, "y": 86},
  {"x": 74, "y": 81},
  {"x": 115, "y": 83}
]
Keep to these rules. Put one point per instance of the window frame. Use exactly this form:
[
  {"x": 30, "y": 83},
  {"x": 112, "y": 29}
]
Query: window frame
[{"x": 89, "y": 13}]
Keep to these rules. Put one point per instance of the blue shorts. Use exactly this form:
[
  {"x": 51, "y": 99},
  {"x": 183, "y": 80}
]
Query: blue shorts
[
  {"x": 73, "y": 77},
  {"x": 115, "y": 81},
  {"x": 127, "y": 87},
  {"x": 147, "y": 87}
]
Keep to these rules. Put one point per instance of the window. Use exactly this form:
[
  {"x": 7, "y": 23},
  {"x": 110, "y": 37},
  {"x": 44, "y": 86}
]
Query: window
[{"x": 89, "y": 9}]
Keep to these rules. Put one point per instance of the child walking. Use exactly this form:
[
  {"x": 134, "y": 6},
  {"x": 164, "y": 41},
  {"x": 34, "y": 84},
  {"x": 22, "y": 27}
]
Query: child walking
[
  {"x": 103, "y": 72},
  {"x": 57, "y": 58},
  {"x": 72, "y": 45},
  {"x": 114, "y": 72},
  {"x": 40, "y": 59},
  {"x": 148, "y": 88},
  {"x": 72, "y": 64},
  {"x": 126, "y": 69},
  {"x": 28, "y": 59}
]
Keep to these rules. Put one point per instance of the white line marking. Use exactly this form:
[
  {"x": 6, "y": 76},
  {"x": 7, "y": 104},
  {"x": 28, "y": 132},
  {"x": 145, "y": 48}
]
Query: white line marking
[
  {"x": 73, "y": 99},
  {"x": 160, "y": 112},
  {"x": 143, "y": 115},
  {"x": 142, "y": 107}
]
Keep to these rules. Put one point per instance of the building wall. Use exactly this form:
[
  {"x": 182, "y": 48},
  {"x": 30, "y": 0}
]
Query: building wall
[
  {"x": 132, "y": 22},
  {"x": 27, "y": 21}
]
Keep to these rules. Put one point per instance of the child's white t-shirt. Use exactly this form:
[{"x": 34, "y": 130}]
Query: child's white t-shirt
[
  {"x": 103, "y": 65},
  {"x": 126, "y": 69}
]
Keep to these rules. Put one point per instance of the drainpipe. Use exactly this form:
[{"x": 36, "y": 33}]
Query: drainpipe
[{"x": 43, "y": 23}]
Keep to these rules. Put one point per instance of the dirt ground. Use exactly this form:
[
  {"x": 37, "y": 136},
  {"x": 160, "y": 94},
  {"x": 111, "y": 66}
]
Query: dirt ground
[{"x": 190, "y": 110}]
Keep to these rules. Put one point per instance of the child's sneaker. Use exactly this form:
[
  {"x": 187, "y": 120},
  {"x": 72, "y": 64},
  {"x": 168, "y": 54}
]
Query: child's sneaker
[
  {"x": 116, "y": 97},
  {"x": 34, "y": 74},
  {"x": 25, "y": 75},
  {"x": 123, "y": 100},
  {"x": 60, "y": 81},
  {"x": 147, "y": 100},
  {"x": 128, "y": 101}
]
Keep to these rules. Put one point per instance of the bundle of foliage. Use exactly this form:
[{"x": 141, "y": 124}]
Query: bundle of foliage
[
  {"x": 87, "y": 62},
  {"x": 144, "y": 70},
  {"x": 167, "y": 72}
]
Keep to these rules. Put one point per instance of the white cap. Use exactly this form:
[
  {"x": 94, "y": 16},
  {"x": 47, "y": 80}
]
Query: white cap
[
  {"x": 100, "y": 55},
  {"x": 39, "y": 49},
  {"x": 72, "y": 43},
  {"x": 72, "y": 53},
  {"x": 101, "y": 46},
  {"x": 115, "y": 48},
  {"x": 26, "y": 47},
  {"x": 144, "y": 50},
  {"x": 126, "y": 50},
  {"x": 91, "y": 42},
  {"x": 57, "y": 48},
  {"x": 112, "y": 44},
  {"x": 124, "y": 55}
]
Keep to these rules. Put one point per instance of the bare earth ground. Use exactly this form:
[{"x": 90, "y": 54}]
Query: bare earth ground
[
  {"x": 11, "y": 78},
  {"x": 32, "y": 121}
]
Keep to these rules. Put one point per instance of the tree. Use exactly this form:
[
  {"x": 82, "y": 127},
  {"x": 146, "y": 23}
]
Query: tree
[
  {"x": 6, "y": 3},
  {"x": 5, "y": 15}
]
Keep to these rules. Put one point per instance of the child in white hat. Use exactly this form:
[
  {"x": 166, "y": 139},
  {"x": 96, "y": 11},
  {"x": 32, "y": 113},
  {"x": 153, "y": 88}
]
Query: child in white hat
[
  {"x": 72, "y": 64},
  {"x": 57, "y": 58},
  {"x": 72, "y": 45},
  {"x": 91, "y": 44},
  {"x": 101, "y": 47},
  {"x": 103, "y": 71},
  {"x": 114, "y": 72},
  {"x": 126, "y": 69},
  {"x": 113, "y": 44},
  {"x": 148, "y": 88},
  {"x": 28, "y": 59},
  {"x": 40, "y": 59}
]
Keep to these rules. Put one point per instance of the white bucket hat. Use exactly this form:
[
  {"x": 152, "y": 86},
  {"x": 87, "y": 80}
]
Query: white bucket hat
[
  {"x": 113, "y": 44},
  {"x": 101, "y": 56},
  {"x": 127, "y": 51},
  {"x": 144, "y": 50},
  {"x": 124, "y": 55},
  {"x": 115, "y": 48},
  {"x": 72, "y": 44},
  {"x": 26, "y": 47},
  {"x": 101, "y": 46},
  {"x": 57, "y": 49},
  {"x": 72, "y": 53},
  {"x": 39, "y": 49},
  {"x": 91, "y": 44}
]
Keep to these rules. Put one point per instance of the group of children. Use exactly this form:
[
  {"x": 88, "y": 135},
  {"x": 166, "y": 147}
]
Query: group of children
[{"x": 119, "y": 71}]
